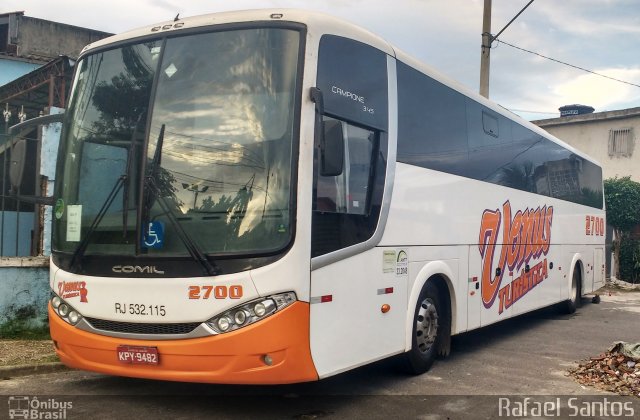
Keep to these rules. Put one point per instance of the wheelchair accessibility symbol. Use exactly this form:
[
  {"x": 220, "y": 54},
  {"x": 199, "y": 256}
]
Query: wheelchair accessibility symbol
[{"x": 153, "y": 235}]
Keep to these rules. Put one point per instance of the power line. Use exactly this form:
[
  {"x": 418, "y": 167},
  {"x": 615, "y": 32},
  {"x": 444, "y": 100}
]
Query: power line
[
  {"x": 495, "y": 38},
  {"x": 567, "y": 64}
]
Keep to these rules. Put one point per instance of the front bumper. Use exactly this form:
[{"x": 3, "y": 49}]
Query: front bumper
[{"x": 231, "y": 358}]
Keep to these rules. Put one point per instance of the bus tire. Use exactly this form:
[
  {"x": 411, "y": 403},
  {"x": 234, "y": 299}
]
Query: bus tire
[
  {"x": 575, "y": 296},
  {"x": 428, "y": 330}
]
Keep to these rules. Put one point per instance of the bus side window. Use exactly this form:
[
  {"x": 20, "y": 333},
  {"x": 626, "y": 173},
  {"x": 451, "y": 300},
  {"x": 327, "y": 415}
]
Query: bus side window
[{"x": 349, "y": 192}]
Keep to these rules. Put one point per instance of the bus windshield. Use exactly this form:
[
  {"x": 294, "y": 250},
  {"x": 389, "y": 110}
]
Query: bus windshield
[{"x": 180, "y": 142}]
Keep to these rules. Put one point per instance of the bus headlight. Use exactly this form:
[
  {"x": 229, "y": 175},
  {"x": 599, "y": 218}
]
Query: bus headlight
[
  {"x": 260, "y": 309},
  {"x": 73, "y": 317},
  {"x": 240, "y": 317},
  {"x": 250, "y": 312},
  {"x": 65, "y": 311},
  {"x": 223, "y": 323}
]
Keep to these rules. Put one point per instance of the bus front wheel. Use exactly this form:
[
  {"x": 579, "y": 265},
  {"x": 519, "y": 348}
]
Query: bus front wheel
[{"x": 428, "y": 330}]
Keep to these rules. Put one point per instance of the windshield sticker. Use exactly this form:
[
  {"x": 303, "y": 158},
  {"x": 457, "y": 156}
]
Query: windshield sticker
[
  {"x": 59, "y": 208},
  {"x": 74, "y": 222},
  {"x": 388, "y": 261},
  {"x": 171, "y": 70},
  {"x": 153, "y": 236}
]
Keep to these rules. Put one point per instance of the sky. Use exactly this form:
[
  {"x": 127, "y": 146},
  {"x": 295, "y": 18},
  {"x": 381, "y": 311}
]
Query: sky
[{"x": 599, "y": 35}]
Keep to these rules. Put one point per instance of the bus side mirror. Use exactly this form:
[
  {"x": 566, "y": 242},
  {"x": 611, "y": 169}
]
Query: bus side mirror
[
  {"x": 330, "y": 138},
  {"x": 18, "y": 155},
  {"x": 16, "y": 163},
  {"x": 331, "y": 148}
]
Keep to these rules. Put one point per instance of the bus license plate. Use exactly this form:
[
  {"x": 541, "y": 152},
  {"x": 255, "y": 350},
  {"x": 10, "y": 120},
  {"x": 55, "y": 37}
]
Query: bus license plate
[{"x": 138, "y": 355}]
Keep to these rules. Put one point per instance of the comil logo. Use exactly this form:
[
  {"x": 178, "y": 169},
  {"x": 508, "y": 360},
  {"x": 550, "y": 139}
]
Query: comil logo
[
  {"x": 23, "y": 407},
  {"x": 128, "y": 269},
  {"x": 526, "y": 236}
]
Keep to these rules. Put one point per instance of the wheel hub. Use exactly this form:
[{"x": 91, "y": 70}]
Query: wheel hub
[{"x": 426, "y": 325}]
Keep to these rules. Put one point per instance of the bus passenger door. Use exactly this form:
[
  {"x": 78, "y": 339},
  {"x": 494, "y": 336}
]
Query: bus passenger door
[{"x": 358, "y": 305}]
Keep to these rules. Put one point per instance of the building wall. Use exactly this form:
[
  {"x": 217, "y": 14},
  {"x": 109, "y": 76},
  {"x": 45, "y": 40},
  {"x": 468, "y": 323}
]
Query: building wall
[
  {"x": 48, "y": 155},
  {"x": 590, "y": 134},
  {"x": 38, "y": 38},
  {"x": 24, "y": 286}
]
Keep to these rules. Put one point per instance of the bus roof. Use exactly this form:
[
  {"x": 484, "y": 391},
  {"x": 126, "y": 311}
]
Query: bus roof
[
  {"x": 322, "y": 23},
  {"x": 327, "y": 24}
]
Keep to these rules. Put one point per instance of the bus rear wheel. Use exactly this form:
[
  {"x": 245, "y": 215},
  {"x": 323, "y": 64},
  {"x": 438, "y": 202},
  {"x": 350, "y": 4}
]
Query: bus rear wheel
[{"x": 428, "y": 330}]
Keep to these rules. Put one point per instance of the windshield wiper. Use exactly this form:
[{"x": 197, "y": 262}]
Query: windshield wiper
[
  {"x": 82, "y": 246},
  {"x": 121, "y": 183},
  {"x": 152, "y": 193}
]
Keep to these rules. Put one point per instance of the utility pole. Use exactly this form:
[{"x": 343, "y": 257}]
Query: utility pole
[
  {"x": 485, "y": 57},
  {"x": 487, "y": 41}
]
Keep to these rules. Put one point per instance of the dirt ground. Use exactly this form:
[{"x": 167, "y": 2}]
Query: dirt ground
[{"x": 26, "y": 352}]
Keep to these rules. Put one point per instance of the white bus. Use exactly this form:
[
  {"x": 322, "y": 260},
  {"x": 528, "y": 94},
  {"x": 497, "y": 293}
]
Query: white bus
[{"x": 279, "y": 196}]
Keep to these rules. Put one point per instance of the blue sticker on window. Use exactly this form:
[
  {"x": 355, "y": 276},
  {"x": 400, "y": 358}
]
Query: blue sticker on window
[{"x": 153, "y": 235}]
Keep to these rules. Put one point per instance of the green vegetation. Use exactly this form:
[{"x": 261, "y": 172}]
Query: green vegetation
[
  {"x": 622, "y": 198},
  {"x": 20, "y": 324},
  {"x": 629, "y": 260}
]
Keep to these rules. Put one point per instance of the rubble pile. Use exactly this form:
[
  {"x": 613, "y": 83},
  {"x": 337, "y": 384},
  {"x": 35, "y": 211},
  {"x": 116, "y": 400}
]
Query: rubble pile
[{"x": 617, "y": 370}]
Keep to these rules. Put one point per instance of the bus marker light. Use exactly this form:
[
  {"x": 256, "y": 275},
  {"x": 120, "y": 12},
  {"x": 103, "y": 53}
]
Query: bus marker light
[
  {"x": 321, "y": 299},
  {"x": 385, "y": 308}
]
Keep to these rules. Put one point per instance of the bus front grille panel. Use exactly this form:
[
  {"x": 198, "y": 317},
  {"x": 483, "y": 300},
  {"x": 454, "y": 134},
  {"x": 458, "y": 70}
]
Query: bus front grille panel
[{"x": 141, "y": 328}]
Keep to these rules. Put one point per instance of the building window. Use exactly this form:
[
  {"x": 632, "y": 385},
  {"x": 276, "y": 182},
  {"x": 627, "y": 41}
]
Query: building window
[{"x": 621, "y": 142}]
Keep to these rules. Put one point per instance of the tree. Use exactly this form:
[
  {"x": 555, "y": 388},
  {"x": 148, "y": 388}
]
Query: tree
[{"x": 622, "y": 199}]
